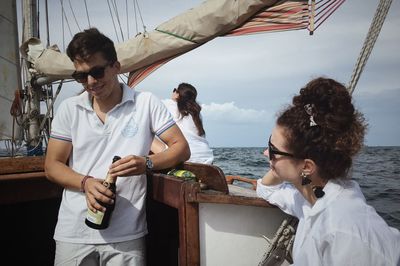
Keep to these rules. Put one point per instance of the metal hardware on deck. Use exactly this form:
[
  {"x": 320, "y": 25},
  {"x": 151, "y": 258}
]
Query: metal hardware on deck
[{"x": 280, "y": 246}]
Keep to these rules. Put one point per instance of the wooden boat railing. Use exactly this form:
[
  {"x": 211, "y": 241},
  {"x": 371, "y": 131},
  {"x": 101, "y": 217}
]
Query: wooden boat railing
[
  {"x": 184, "y": 197},
  {"x": 22, "y": 179}
]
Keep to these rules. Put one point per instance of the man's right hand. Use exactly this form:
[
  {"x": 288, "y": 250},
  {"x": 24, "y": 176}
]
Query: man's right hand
[{"x": 96, "y": 192}]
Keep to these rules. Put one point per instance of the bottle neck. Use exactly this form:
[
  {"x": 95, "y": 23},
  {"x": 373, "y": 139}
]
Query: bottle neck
[{"x": 109, "y": 180}]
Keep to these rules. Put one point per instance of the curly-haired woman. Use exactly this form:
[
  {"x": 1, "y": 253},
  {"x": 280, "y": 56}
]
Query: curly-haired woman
[{"x": 311, "y": 151}]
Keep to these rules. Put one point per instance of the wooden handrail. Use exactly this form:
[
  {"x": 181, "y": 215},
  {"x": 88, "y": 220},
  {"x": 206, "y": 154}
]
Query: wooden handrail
[
  {"x": 231, "y": 178},
  {"x": 26, "y": 164}
]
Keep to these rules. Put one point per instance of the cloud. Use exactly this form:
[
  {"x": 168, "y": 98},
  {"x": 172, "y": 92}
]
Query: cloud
[
  {"x": 229, "y": 113},
  {"x": 381, "y": 110}
]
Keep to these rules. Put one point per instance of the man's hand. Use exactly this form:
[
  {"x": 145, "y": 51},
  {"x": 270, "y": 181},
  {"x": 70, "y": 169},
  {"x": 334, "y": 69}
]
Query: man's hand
[
  {"x": 128, "y": 166},
  {"x": 96, "y": 192}
]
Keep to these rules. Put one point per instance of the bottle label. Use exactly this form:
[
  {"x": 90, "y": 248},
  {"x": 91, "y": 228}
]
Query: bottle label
[{"x": 95, "y": 218}]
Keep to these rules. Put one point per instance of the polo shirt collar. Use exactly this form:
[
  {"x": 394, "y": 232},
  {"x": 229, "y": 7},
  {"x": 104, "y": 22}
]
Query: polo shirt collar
[
  {"x": 127, "y": 93},
  {"x": 85, "y": 100}
]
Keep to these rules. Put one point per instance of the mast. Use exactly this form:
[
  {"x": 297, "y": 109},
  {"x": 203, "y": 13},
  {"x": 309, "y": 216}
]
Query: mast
[{"x": 30, "y": 29}]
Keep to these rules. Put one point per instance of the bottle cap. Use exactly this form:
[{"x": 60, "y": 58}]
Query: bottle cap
[{"x": 116, "y": 158}]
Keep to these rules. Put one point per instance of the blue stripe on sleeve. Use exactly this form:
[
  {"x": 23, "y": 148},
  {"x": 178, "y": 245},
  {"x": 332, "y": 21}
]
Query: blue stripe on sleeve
[
  {"x": 164, "y": 128},
  {"x": 59, "y": 137}
]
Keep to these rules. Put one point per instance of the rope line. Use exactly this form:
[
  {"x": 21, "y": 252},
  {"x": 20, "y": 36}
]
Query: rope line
[
  {"x": 73, "y": 14},
  {"x": 136, "y": 20},
  {"x": 47, "y": 23},
  {"x": 64, "y": 16},
  {"x": 140, "y": 15},
  {"x": 112, "y": 18},
  {"x": 87, "y": 13},
  {"x": 114, "y": 4},
  {"x": 127, "y": 18},
  {"x": 326, "y": 11},
  {"x": 372, "y": 36}
]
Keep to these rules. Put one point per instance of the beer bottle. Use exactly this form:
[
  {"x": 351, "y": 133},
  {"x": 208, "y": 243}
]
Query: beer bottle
[{"x": 100, "y": 220}]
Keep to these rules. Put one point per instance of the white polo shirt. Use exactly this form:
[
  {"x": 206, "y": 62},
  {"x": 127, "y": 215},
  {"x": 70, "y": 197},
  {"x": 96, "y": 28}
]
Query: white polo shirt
[{"x": 128, "y": 129}]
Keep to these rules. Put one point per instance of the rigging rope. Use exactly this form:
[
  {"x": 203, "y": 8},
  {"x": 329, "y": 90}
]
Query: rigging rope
[
  {"x": 325, "y": 10},
  {"x": 127, "y": 18},
  {"x": 369, "y": 42},
  {"x": 47, "y": 23},
  {"x": 134, "y": 10},
  {"x": 87, "y": 13},
  {"x": 62, "y": 27},
  {"x": 64, "y": 16},
  {"x": 73, "y": 14},
  {"x": 112, "y": 18},
  {"x": 141, "y": 18},
  {"x": 38, "y": 20},
  {"x": 118, "y": 20}
]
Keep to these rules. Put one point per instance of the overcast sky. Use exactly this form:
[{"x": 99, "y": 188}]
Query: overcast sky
[{"x": 243, "y": 81}]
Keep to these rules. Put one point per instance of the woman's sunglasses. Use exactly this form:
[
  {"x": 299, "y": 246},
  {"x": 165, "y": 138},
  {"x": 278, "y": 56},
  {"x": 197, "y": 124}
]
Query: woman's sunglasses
[
  {"x": 272, "y": 151},
  {"x": 175, "y": 90},
  {"x": 96, "y": 72}
]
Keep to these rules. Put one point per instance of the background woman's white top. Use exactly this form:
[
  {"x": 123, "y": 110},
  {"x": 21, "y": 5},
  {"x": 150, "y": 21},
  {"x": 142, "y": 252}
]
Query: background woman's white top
[{"x": 199, "y": 147}]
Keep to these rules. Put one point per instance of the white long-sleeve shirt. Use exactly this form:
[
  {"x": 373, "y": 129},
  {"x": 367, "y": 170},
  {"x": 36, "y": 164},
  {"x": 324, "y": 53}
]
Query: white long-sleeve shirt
[{"x": 340, "y": 229}]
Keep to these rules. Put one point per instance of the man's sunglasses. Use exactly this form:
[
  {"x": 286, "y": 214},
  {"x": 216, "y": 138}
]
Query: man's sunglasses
[
  {"x": 96, "y": 72},
  {"x": 272, "y": 151}
]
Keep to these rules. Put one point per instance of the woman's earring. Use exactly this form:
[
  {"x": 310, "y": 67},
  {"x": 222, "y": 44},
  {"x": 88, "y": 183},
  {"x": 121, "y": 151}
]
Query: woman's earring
[
  {"x": 318, "y": 192},
  {"x": 305, "y": 180}
]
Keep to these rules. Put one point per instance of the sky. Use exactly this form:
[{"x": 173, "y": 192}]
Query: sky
[{"x": 244, "y": 81}]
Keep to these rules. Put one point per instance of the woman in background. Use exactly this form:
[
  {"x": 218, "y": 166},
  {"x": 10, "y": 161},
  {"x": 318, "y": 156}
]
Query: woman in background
[
  {"x": 311, "y": 150},
  {"x": 186, "y": 113}
]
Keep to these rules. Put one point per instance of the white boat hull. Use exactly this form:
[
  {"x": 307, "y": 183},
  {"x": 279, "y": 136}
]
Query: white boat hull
[{"x": 232, "y": 234}]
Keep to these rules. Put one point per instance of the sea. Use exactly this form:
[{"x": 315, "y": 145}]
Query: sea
[{"x": 376, "y": 169}]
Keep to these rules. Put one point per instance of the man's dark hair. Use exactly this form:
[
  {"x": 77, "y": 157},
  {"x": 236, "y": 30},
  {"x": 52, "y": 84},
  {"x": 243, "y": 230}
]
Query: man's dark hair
[{"x": 88, "y": 42}]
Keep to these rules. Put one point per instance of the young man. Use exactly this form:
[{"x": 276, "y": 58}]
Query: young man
[{"x": 107, "y": 119}]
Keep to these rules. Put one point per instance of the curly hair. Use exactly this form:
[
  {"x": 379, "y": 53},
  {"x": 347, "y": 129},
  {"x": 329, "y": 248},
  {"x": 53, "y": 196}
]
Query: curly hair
[
  {"x": 339, "y": 131},
  {"x": 88, "y": 42},
  {"x": 187, "y": 105}
]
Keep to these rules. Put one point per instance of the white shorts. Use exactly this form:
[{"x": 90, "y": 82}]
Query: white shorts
[{"x": 131, "y": 252}]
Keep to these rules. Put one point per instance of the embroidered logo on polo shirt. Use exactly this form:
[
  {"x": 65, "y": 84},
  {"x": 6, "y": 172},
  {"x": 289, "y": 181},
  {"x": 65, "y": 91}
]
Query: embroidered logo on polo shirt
[{"x": 130, "y": 129}]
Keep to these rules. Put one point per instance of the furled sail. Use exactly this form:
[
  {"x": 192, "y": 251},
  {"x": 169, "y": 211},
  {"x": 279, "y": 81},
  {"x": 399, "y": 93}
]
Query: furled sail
[
  {"x": 146, "y": 52},
  {"x": 9, "y": 63}
]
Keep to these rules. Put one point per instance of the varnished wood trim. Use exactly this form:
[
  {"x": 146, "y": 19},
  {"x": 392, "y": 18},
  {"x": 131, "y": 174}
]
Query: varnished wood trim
[
  {"x": 12, "y": 165},
  {"x": 211, "y": 197},
  {"x": 210, "y": 175},
  {"x": 22, "y": 176},
  {"x": 165, "y": 189}
]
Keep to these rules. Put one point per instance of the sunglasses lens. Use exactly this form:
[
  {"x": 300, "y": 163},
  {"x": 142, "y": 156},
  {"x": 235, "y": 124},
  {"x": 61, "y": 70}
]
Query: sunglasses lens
[
  {"x": 271, "y": 153},
  {"x": 97, "y": 72},
  {"x": 80, "y": 77},
  {"x": 174, "y": 90}
]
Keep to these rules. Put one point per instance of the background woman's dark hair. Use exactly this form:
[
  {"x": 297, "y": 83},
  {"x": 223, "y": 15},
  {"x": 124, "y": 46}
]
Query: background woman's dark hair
[
  {"x": 187, "y": 105},
  {"x": 339, "y": 133},
  {"x": 88, "y": 42}
]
